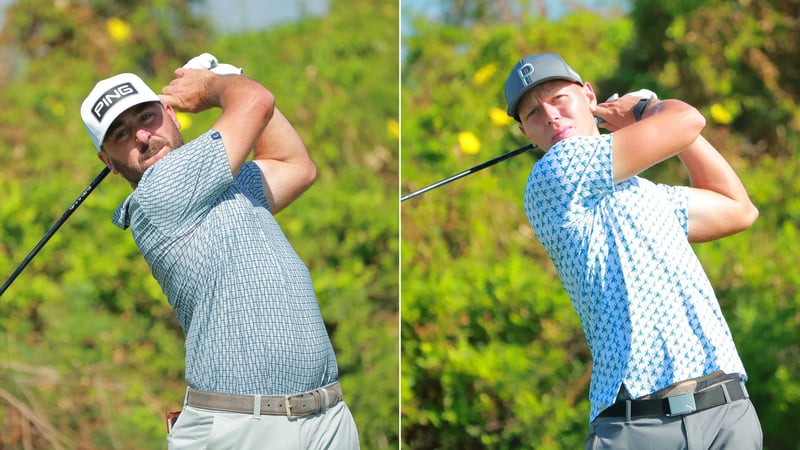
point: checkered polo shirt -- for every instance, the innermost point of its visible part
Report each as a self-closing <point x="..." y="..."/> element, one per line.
<point x="647" y="308"/>
<point x="240" y="292"/>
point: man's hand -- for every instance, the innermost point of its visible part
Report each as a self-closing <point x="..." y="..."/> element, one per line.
<point x="190" y="91"/>
<point x="617" y="113"/>
<point x="246" y="105"/>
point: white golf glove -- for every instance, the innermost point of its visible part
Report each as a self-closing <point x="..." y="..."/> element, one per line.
<point x="641" y="93"/>
<point x="644" y="93"/>
<point x="209" y="62"/>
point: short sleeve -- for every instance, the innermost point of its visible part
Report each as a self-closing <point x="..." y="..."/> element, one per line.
<point x="570" y="178"/>
<point x="678" y="197"/>
<point x="181" y="188"/>
<point x="251" y="181"/>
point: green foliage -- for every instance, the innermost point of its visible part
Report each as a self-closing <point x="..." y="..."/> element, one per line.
<point x="91" y="355"/>
<point x="493" y="355"/>
<point x="745" y="63"/>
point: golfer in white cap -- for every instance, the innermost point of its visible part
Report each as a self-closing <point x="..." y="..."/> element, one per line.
<point x="666" y="373"/>
<point x="260" y="367"/>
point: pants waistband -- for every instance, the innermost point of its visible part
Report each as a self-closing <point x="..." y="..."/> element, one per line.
<point x="296" y="405"/>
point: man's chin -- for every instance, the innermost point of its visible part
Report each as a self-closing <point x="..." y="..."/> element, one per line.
<point x="566" y="134"/>
<point x="155" y="157"/>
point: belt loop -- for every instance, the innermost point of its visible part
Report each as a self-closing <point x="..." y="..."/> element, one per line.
<point x="327" y="398"/>
<point x="744" y="389"/>
<point x="288" y="407"/>
<point x="257" y="407"/>
<point x="186" y="397"/>
<point x="627" y="411"/>
<point x="725" y="393"/>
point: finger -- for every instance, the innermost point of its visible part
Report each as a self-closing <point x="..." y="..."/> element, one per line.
<point x="170" y="100"/>
<point x="601" y="111"/>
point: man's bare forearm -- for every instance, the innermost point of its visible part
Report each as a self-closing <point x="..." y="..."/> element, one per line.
<point x="719" y="205"/>
<point x="709" y="170"/>
<point x="284" y="161"/>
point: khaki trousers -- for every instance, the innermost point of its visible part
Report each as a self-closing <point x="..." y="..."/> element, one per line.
<point x="204" y="429"/>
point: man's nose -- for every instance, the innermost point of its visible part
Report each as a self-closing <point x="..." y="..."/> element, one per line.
<point x="551" y="113"/>
<point x="143" y="135"/>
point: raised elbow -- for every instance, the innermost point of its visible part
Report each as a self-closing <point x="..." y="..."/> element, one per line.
<point x="266" y="104"/>
<point x="749" y="216"/>
<point x="698" y="121"/>
<point x="681" y="122"/>
<point x="692" y="123"/>
<point x="311" y="173"/>
<point x="744" y="219"/>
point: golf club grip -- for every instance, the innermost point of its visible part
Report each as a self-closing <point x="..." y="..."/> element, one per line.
<point x="55" y="228"/>
<point x="471" y="170"/>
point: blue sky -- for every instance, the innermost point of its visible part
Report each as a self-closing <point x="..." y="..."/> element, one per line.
<point x="556" y="8"/>
<point x="232" y="15"/>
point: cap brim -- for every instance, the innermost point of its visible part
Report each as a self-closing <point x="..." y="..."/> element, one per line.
<point x="513" y="108"/>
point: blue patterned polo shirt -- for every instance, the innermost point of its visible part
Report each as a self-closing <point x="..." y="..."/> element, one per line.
<point x="239" y="290"/>
<point x="647" y="308"/>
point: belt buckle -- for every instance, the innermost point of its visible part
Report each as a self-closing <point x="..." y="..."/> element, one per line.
<point x="680" y="405"/>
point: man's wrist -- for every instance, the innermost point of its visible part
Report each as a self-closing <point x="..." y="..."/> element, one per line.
<point x="645" y="96"/>
<point x="645" y="108"/>
<point x="638" y="110"/>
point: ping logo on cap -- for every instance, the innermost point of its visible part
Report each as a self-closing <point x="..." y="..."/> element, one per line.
<point x="110" y="97"/>
<point x="525" y="72"/>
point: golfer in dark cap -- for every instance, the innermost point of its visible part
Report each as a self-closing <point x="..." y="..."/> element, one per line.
<point x="666" y="373"/>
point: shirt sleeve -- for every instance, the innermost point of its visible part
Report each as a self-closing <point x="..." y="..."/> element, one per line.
<point x="181" y="188"/>
<point x="251" y="181"/>
<point x="572" y="177"/>
<point x="678" y="197"/>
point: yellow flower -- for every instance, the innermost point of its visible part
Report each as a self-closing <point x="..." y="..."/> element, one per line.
<point x="118" y="29"/>
<point x="483" y="74"/>
<point x="184" y="119"/>
<point x="469" y="143"/>
<point x="720" y="114"/>
<point x="393" y="127"/>
<point x="56" y="108"/>
<point x="499" y="117"/>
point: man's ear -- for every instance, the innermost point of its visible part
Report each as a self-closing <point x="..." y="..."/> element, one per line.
<point x="107" y="161"/>
<point x="172" y="116"/>
<point x="522" y="130"/>
<point x="590" y="95"/>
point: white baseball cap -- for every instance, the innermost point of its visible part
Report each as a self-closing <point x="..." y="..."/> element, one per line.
<point x="110" y="98"/>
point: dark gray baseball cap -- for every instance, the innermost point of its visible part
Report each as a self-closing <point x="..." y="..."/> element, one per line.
<point x="532" y="71"/>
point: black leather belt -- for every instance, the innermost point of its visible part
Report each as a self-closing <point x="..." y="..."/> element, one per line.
<point x="679" y="405"/>
<point x="297" y="405"/>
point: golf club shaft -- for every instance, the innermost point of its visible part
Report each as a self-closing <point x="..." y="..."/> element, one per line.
<point x="471" y="170"/>
<point x="55" y="228"/>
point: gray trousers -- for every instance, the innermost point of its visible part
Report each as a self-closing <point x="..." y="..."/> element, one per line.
<point x="734" y="425"/>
